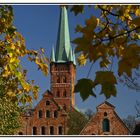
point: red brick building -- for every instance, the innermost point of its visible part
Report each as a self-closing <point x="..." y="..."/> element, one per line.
<point x="105" y="122"/>
<point x="49" y="117"/>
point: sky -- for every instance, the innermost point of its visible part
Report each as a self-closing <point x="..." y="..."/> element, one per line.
<point x="39" y="26"/>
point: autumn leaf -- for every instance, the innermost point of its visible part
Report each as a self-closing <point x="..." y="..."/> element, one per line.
<point x="82" y="60"/>
<point x="85" y="86"/>
<point x="107" y="80"/>
<point x="136" y="21"/>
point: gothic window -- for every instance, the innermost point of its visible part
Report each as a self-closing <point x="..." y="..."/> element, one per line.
<point x="20" y="133"/>
<point x="47" y="102"/>
<point x="40" y="114"/>
<point x="57" y="94"/>
<point x="105" y="114"/>
<point x="43" y="130"/>
<point x="64" y="79"/>
<point x="106" y="126"/>
<point x="34" y="130"/>
<point x="55" y="114"/>
<point x="51" y="130"/>
<point x="65" y="94"/>
<point x="64" y="107"/>
<point x="47" y="114"/>
<point x="60" y="131"/>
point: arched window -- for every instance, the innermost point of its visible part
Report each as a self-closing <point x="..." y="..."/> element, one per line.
<point x="60" y="131"/>
<point x="43" y="130"/>
<point x="34" y="130"/>
<point x="51" y="130"/>
<point x="57" y="94"/>
<point x="20" y="133"/>
<point x="47" y="102"/>
<point x="105" y="114"/>
<point x="55" y="114"/>
<point x="64" y="107"/>
<point x="58" y="79"/>
<point x="40" y="114"/>
<point x="47" y="114"/>
<point x="65" y="93"/>
<point x="106" y="127"/>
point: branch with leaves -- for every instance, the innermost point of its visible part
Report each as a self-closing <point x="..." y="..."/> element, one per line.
<point x="12" y="49"/>
<point x="114" y="35"/>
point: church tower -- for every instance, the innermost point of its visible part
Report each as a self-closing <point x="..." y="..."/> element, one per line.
<point x="62" y="66"/>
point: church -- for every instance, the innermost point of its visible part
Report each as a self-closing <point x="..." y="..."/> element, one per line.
<point x="50" y="115"/>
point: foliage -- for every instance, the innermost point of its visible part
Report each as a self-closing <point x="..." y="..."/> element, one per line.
<point x="12" y="49"/>
<point x="76" y="122"/>
<point x="112" y="40"/>
<point x="130" y="122"/>
<point x="9" y="114"/>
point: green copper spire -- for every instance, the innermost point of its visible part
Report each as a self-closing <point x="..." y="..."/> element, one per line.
<point x="63" y="39"/>
<point x="52" y="55"/>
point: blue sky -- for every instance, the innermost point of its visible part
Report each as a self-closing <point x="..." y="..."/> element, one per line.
<point x="39" y="25"/>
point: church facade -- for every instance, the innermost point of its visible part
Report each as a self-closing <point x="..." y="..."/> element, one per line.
<point x="105" y="122"/>
<point x="50" y="116"/>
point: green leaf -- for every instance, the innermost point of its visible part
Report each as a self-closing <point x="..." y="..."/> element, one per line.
<point x="85" y="86"/>
<point x="105" y="77"/>
<point x="136" y="21"/>
<point x="108" y="90"/>
<point x="130" y="60"/>
<point x="77" y="9"/>
<point x="107" y="80"/>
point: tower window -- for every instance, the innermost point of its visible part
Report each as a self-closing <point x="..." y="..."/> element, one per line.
<point x="51" y="130"/>
<point x="60" y="131"/>
<point x="40" y="114"/>
<point x="43" y="130"/>
<point x="58" y="94"/>
<point x="55" y="114"/>
<point x="34" y="130"/>
<point x="47" y="102"/>
<point x="106" y="127"/>
<point x="47" y="114"/>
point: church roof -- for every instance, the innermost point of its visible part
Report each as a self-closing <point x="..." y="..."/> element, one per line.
<point x="63" y="48"/>
<point x="107" y="103"/>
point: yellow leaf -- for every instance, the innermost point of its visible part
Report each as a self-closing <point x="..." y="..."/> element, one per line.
<point x="12" y="46"/>
<point x="27" y="87"/>
<point x="82" y="59"/>
<point x="137" y="12"/>
<point x="11" y="94"/>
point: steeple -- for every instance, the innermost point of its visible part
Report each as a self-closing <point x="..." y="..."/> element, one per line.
<point x="63" y="47"/>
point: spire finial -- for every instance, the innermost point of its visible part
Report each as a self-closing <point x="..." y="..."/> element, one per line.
<point x="52" y="55"/>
